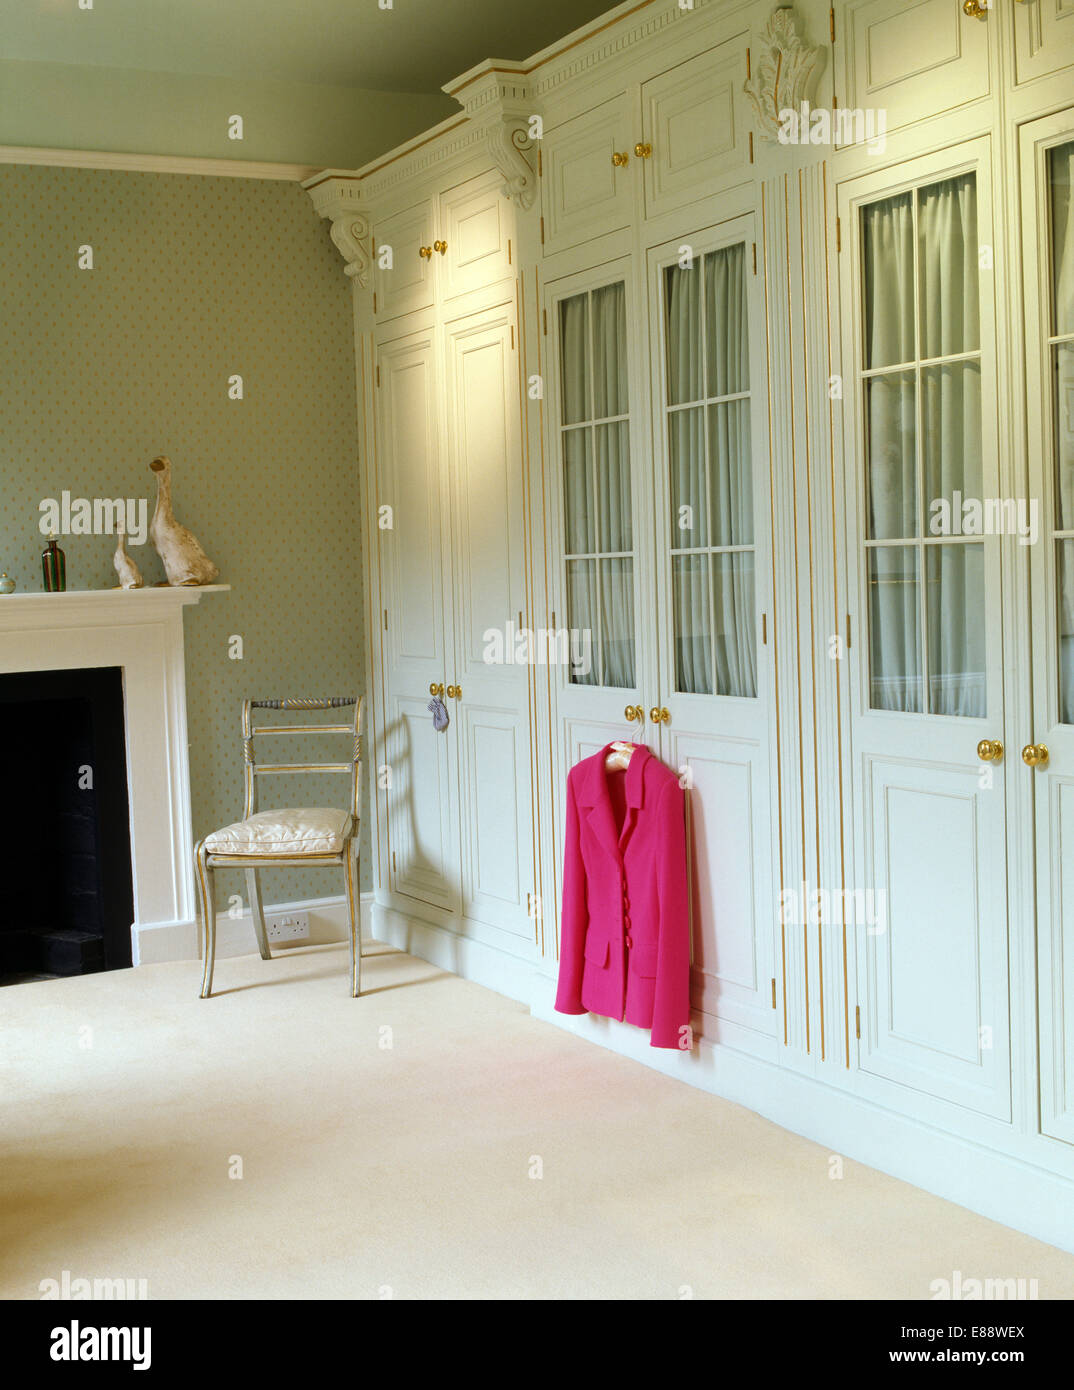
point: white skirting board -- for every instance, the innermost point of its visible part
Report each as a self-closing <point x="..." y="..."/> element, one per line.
<point x="993" y="1184"/>
<point x="171" y="941"/>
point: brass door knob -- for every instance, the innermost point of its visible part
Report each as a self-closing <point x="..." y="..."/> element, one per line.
<point x="440" y="246"/>
<point x="975" y="9"/>
<point x="1034" y="755"/>
<point x="634" y="714"/>
<point x="659" y="715"/>
<point x="990" y="750"/>
<point x="620" y="160"/>
<point x="454" y="692"/>
<point x="435" y="689"/>
<point x="643" y="150"/>
<point x="425" y="252"/>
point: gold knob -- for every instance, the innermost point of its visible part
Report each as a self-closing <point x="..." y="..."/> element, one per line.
<point x="620" y="160"/>
<point x="643" y="151"/>
<point x="435" y="689"/>
<point x="454" y="692"/>
<point x="1034" y="755"/>
<point x="990" y="750"/>
<point x="425" y="252"/>
<point x="440" y="246"/>
<point x="975" y="9"/>
<point x="634" y="714"/>
<point x="659" y="715"/>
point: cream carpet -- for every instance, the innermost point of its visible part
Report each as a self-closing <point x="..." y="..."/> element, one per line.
<point x="390" y="1146"/>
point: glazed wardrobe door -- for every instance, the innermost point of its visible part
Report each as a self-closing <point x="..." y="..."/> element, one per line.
<point x="706" y="326"/>
<point x="1047" y="755"/>
<point x="929" y="908"/>
<point x="602" y="649"/>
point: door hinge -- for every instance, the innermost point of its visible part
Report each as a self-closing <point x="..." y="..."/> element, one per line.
<point x="773" y="991"/>
<point x="512" y="337"/>
<point x="751" y="146"/>
<point x="849" y="643"/>
<point x="835" y="102"/>
<point x="857" y="1020"/>
<point x="385" y="620"/>
<point x="764" y="629"/>
<point x="747" y="64"/>
<point x="393" y="861"/>
<point x="542" y="231"/>
<point x="544" y="320"/>
<point x="838" y="235"/>
<point x="374" y="301"/>
<point x="831" y="23"/>
<point x="508" y="250"/>
<point x="755" y="258"/>
<point x="540" y="163"/>
<point x="378" y="373"/>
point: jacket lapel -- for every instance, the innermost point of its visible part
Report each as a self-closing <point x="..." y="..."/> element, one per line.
<point x="601" y="817"/>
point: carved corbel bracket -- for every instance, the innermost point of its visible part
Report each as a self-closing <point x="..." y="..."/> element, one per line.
<point x="338" y="197"/>
<point x="784" y="71"/>
<point x="496" y="97"/>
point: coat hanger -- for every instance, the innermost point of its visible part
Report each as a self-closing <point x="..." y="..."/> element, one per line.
<point x="619" y="757"/>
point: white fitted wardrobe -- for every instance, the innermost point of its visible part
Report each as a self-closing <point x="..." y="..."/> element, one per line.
<point x="677" y="431"/>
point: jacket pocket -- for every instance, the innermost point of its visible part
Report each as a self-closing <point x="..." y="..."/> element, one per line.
<point x="596" y="950"/>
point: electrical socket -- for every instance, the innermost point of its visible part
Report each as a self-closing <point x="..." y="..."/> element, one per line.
<point x="287" y="926"/>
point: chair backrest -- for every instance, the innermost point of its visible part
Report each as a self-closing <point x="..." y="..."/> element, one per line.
<point x="252" y="769"/>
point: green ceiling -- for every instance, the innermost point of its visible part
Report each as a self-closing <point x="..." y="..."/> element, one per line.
<point x="414" y="46"/>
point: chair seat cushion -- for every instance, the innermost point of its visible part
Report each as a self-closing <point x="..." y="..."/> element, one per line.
<point x="295" y="831"/>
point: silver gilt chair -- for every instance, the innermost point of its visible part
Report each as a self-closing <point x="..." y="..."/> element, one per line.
<point x="293" y="838"/>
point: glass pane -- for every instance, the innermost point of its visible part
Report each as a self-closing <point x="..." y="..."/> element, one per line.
<point x="1064" y="437"/>
<point x="613" y="485"/>
<point x="578" y="491"/>
<point x="689" y="505"/>
<point x="952" y="442"/>
<point x="582" y="610"/>
<point x="1065" y="580"/>
<point x="894" y="648"/>
<point x="888" y="270"/>
<point x="617" y="615"/>
<point x="947" y="267"/>
<point x="574" y="358"/>
<point x="1060" y="169"/>
<point x="956" y="621"/>
<point x="609" y="352"/>
<point x="683" y="291"/>
<point x="726" y="324"/>
<point x="693" y="623"/>
<point x="736" y="625"/>
<point x="730" y="474"/>
<point x="890" y="406"/>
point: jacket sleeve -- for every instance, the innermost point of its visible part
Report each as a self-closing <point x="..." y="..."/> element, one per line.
<point x="671" y="1004"/>
<point x="574" y="919"/>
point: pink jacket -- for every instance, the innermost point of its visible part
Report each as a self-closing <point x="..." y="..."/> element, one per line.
<point x="625" y="926"/>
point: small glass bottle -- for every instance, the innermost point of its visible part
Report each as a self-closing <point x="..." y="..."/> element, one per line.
<point x="54" y="567"/>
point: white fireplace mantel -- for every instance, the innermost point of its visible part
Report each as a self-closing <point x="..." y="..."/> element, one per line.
<point x="141" y="632"/>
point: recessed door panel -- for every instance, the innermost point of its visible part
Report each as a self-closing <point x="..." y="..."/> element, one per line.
<point x="1043" y="37"/>
<point x="584" y="192"/>
<point x="423" y="832"/>
<point x="475" y="224"/>
<point x="407" y="283"/>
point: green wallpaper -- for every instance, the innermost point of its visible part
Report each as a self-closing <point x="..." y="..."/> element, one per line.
<point x="195" y="279"/>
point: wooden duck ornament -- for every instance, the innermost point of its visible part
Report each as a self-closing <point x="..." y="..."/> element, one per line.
<point x="184" y="560"/>
<point x="130" y="576"/>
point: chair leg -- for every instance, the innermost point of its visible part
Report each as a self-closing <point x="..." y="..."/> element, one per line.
<point x="207" y="894"/>
<point x="257" y="909"/>
<point x="350" y="872"/>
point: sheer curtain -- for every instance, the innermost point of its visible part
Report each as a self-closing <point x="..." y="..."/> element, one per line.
<point x="596" y="480"/>
<point x="707" y="336"/>
<point x="942" y="461"/>
<point x="1061" y="169"/>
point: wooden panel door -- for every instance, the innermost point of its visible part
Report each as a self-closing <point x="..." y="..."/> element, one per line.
<point x="694" y="118"/>
<point x="911" y="60"/>
<point x="706" y="327"/>
<point x="1048" y="260"/>
<point x="475" y="222"/>
<point x="1043" y="37"/>
<point x="422" y="823"/>
<point x="929" y="901"/>
<point x="584" y="192"/>
<point x="407" y="284"/>
<point x="489" y="674"/>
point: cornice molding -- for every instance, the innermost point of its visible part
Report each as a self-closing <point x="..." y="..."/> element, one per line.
<point x="500" y="104"/>
<point x="153" y="163"/>
<point x="342" y="201"/>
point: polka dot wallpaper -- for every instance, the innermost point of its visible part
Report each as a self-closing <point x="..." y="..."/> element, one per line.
<point x="194" y="280"/>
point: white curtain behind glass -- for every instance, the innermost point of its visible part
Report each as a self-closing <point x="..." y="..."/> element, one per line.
<point x="1061" y="168"/>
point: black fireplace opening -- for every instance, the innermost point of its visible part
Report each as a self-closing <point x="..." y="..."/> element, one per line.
<point x="66" y="891"/>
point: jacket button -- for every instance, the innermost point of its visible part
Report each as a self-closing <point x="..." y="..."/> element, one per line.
<point x="629" y="940"/>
